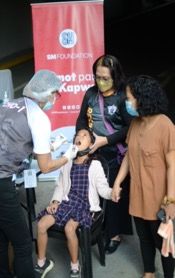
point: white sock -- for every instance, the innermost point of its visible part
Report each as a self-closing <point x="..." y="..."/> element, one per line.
<point x="75" y="265"/>
<point x="41" y="262"/>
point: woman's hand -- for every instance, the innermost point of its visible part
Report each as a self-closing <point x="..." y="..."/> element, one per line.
<point x="170" y="211"/>
<point x="100" y="141"/>
<point x="52" y="208"/>
<point x="116" y="191"/>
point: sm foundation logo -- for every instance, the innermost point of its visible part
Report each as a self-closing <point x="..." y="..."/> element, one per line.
<point x="68" y="38"/>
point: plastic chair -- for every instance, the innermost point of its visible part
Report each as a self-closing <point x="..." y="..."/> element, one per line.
<point x="6" y="84"/>
<point x="88" y="237"/>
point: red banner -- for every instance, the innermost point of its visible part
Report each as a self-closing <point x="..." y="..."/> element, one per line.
<point x="68" y="37"/>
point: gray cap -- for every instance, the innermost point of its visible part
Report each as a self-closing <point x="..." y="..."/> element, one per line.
<point x="42" y="84"/>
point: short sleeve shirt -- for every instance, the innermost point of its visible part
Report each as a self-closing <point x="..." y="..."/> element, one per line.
<point x="147" y="161"/>
<point x="40" y="127"/>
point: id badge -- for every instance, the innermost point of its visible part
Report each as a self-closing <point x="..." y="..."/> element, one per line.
<point x="30" y="179"/>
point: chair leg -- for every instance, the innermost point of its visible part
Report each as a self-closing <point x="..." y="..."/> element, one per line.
<point x="101" y="248"/>
<point x="85" y="246"/>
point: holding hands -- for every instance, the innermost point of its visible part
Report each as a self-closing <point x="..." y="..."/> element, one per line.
<point x="116" y="191"/>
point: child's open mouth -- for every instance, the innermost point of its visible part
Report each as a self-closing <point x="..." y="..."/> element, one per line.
<point x="78" y="143"/>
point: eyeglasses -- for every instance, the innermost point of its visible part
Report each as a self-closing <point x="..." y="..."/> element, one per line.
<point x="104" y="78"/>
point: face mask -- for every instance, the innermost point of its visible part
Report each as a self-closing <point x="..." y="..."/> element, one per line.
<point x="104" y="85"/>
<point x="48" y="106"/>
<point x="130" y="109"/>
<point x="84" y="152"/>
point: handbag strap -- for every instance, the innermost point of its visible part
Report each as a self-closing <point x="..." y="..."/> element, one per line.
<point x="106" y="123"/>
<point x="108" y="126"/>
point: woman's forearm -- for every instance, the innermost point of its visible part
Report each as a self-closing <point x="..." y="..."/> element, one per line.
<point x="124" y="169"/>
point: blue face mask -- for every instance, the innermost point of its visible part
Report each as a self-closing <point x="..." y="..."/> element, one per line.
<point x="48" y="106"/>
<point x="130" y="109"/>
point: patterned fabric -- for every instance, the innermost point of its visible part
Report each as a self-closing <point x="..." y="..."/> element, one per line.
<point x="77" y="208"/>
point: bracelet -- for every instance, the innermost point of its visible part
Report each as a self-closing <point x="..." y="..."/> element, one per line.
<point x="167" y="201"/>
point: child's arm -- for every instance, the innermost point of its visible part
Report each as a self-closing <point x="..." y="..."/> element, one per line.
<point x="62" y="184"/>
<point x="59" y="189"/>
<point x="101" y="182"/>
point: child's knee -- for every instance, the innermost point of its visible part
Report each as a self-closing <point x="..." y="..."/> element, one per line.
<point x="70" y="229"/>
<point x="42" y="227"/>
<point x="45" y="223"/>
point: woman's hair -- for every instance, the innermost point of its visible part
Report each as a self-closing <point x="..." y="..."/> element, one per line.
<point x="115" y="68"/>
<point x="151" y="99"/>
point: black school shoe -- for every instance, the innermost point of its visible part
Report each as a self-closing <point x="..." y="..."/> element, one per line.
<point x="40" y="272"/>
<point x="112" y="246"/>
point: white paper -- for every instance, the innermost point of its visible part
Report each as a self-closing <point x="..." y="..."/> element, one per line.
<point x="30" y="179"/>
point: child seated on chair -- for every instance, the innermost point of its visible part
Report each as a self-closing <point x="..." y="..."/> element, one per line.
<point x="76" y="195"/>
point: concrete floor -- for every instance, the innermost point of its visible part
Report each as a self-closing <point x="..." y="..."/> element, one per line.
<point x="125" y="262"/>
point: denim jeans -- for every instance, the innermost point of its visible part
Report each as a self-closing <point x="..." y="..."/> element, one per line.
<point x="13" y="228"/>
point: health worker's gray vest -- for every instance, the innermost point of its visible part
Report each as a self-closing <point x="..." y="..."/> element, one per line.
<point x="15" y="137"/>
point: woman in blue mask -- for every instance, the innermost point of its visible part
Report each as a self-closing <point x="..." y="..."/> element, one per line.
<point x="130" y="107"/>
<point x="150" y="160"/>
<point x="104" y="111"/>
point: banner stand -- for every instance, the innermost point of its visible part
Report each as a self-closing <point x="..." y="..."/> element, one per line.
<point x="68" y="37"/>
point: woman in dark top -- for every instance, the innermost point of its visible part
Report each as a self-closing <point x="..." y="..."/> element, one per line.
<point x="103" y="110"/>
